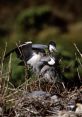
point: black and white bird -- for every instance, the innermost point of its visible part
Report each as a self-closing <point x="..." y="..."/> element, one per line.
<point x="44" y="61"/>
<point x="48" y="71"/>
<point x="32" y="53"/>
<point x="35" y="55"/>
<point x="45" y="69"/>
<point x="52" y="47"/>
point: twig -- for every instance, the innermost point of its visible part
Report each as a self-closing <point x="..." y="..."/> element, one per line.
<point x="8" y="77"/>
<point x="77" y="49"/>
<point x="3" y="59"/>
<point x="31" y="111"/>
<point x="78" y="74"/>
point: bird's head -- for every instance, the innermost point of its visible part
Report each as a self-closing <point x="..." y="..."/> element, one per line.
<point x="52" y="47"/>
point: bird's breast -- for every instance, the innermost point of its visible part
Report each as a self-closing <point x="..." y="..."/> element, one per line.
<point x="34" y="59"/>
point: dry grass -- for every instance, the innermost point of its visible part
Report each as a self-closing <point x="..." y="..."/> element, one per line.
<point x="21" y="102"/>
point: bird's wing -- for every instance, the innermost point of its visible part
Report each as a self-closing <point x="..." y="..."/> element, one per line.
<point x="26" y="45"/>
<point x="44" y="69"/>
<point x="11" y="51"/>
<point x="45" y="59"/>
<point x="39" y="46"/>
<point x="21" y="63"/>
<point x="16" y="50"/>
<point x="23" y="51"/>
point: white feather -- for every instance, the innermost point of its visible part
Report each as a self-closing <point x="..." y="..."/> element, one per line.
<point x="51" y="48"/>
<point x="26" y="43"/>
<point x="51" y="62"/>
<point x="34" y="59"/>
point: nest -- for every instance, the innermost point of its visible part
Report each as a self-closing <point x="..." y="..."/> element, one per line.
<point x="37" y="100"/>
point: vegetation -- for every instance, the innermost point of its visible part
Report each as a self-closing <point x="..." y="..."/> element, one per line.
<point x="15" y="88"/>
<point x="39" y="21"/>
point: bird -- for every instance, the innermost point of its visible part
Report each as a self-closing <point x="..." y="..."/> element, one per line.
<point x="45" y="69"/>
<point x="44" y="65"/>
<point x="27" y="53"/>
<point x="25" y="47"/>
<point x="45" y="60"/>
<point x="49" y="72"/>
<point x="31" y="53"/>
<point x="52" y="47"/>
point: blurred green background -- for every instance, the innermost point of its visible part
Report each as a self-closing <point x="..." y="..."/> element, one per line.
<point x="41" y="21"/>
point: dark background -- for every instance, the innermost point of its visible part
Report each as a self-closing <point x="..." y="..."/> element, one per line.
<point x="40" y="21"/>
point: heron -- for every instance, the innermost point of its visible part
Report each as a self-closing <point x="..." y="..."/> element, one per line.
<point x="35" y="55"/>
<point x="32" y="53"/>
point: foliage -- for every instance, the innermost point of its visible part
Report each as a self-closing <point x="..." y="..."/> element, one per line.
<point x="26" y="18"/>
